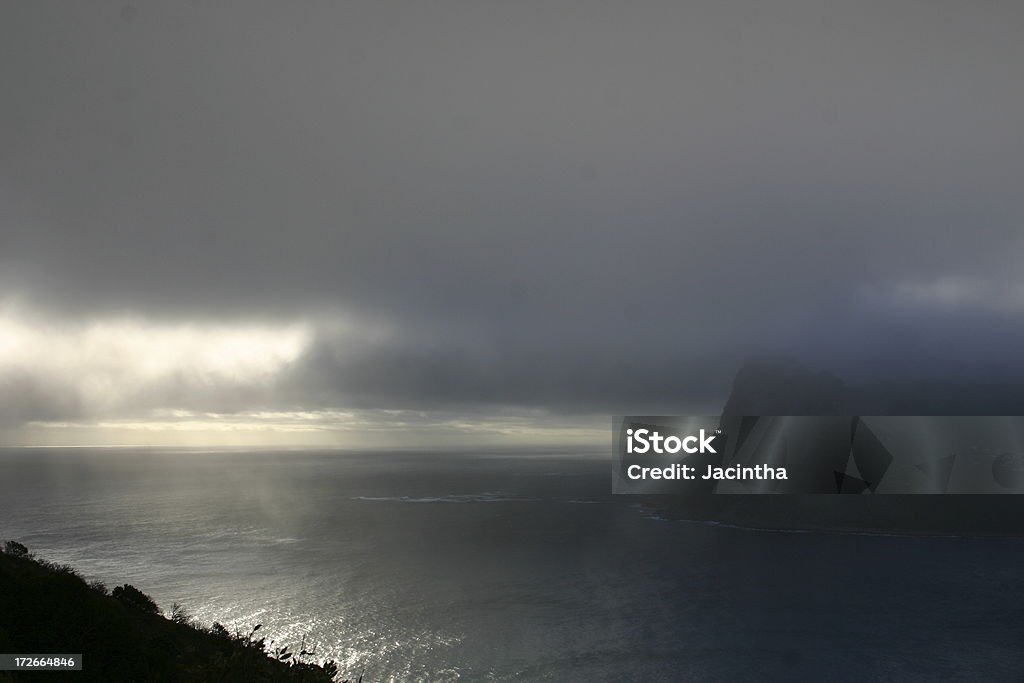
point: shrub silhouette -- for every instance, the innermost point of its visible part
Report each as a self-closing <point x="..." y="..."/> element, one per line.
<point x="15" y="548"/>
<point x="179" y="615"/>
<point x="133" y="597"/>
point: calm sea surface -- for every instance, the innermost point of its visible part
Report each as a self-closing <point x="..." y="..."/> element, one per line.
<point x="445" y="567"/>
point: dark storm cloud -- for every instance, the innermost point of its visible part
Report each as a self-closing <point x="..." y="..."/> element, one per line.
<point x="580" y="206"/>
<point x="456" y="376"/>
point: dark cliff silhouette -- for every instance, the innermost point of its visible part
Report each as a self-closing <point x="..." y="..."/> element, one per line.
<point x="785" y="387"/>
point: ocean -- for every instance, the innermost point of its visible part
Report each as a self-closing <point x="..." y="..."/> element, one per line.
<point x="424" y="566"/>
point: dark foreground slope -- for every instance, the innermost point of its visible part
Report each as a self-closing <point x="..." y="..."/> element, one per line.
<point x="49" y="609"/>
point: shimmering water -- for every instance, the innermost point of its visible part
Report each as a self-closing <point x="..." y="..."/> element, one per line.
<point x="429" y="566"/>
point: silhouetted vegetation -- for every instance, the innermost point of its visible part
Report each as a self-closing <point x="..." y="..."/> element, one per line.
<point x="49" y="608"/>
<point x="16" y="549"/>
<point x="133" y="597"/>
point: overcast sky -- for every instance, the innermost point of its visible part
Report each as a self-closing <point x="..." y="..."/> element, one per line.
<point x="313" y="221"/>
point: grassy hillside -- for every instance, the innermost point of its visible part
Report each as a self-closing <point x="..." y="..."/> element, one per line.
<point x="49" y="609"/>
